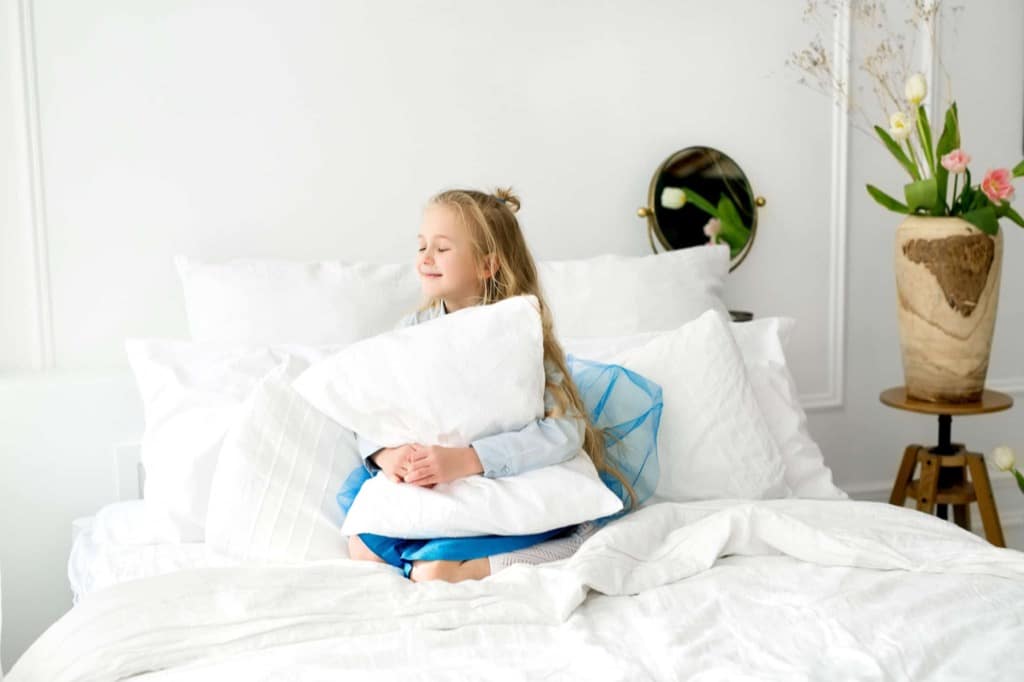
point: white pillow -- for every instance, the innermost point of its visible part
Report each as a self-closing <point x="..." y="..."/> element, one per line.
<point x="462" y="376"/>
<point x="267" y="301"/>
<point x="274" y="491"/>
<point x="761" y="343"/>
<point x="713" y="441"/>
<point x="615" y="295"/>
<point x="191" y="394"/>
<point x="531" y="502"/>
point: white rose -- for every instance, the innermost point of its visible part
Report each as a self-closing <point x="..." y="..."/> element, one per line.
<point x="899" y="126"/>
<point x="673" y="197"/>
<point x="1004" y="458"/>
<point x="915" y="89"/>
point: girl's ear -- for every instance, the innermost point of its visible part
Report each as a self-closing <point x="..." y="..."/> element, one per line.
<point x="490" y="266"/>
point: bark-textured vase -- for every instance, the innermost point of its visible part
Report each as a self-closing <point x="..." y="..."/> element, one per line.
<point x="947" y="279"/>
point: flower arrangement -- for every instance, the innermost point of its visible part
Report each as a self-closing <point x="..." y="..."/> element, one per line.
<point x="930" y="160"/>
<point x="930" y="165"/>
<point x="1005" y="461"/>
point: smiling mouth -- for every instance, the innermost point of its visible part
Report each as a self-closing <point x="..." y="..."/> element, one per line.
<point x="430" y="274"/>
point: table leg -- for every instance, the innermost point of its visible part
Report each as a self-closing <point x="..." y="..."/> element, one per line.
<point x="986" y="502"/>
<point x="904" y="476"/>
<point x="928" y="486"/>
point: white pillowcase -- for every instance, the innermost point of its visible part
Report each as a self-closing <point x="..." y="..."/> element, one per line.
<point x="615" y="295"/>
<point x="469" y="374"/>
<point x="761" y="343"/>
<point x="267" y="301"/>
<point x="274" y="491"/>
<point x="191" y="394"/>
<point x="531" y="502"/>
<point x="713" y="441"/>
<point x="462" y="376"/>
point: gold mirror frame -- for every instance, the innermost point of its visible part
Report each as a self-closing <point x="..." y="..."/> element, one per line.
<point x="653" y="229"/>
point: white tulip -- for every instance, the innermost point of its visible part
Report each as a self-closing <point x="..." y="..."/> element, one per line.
<point x="673" y="197"/>
<point x="899" y="126"/>
<point x="1004" y="458"/>
<point x="916" y="89"/>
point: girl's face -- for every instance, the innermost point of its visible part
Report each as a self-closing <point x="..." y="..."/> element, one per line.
<point x="445" y="261"/>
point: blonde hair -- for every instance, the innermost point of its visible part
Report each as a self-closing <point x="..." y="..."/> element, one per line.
<point x="494" y="231"/>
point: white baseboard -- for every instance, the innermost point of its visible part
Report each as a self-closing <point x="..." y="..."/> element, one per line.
<point x="1009" y="502"/>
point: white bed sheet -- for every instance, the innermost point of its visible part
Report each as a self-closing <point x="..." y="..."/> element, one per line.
<point x="778" y="589"/>
<point x="118" y="544"/>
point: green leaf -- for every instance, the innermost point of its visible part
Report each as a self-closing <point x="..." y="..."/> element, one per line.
<point x="1018" y="170"/>
<point x="948" y="141"/>
<point x="734" y="232"/>
<point x="950" y="137"/>
<point x="900" y="155"/>
<point x="886" y="200"/>
<point x="700" y="202"/>
<point x="984" y="219"/>
<point x="921" y="194"/>
<point x="1013" y="215"/>
<point x="727" y="212"/>
<point x="924" y="129"/>
<point x="966" y="194"/>
<point x="1020" y="480"/>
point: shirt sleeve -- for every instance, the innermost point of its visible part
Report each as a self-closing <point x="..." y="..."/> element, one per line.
<point x="542" y="442"/>
<point x="367" y="448"/>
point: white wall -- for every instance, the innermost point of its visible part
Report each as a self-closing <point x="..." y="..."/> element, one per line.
<point x="316" y="130"/>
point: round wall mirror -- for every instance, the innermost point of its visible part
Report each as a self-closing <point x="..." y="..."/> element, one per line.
<point x="699" y="195"/>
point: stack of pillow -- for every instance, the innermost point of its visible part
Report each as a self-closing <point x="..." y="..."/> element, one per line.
<point x="241" y="455"/>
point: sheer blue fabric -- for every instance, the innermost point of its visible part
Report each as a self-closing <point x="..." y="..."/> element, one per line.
<point x="627" y="406"/>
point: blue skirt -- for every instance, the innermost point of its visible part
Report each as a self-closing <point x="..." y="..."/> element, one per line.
<point x="401" y="553"/>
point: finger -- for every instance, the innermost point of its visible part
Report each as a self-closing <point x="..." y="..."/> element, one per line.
<point x="416" y="476"/>
<point x="420" y="474"/>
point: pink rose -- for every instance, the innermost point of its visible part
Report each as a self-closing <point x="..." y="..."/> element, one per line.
<point x="996" y="185"/>
<point x="956" y="161"/>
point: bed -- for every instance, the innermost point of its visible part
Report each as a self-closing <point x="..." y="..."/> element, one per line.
<point x="785" y="578"/>
<point x="779" y="589"/>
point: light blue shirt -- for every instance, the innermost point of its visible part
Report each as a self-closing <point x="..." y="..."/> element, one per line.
<point x="542" y="442"/>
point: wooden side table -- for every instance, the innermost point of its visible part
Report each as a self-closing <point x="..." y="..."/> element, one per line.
<point x="945" y="467"/>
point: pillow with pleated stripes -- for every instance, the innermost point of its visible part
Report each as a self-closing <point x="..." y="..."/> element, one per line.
<point x="279" y="470"/>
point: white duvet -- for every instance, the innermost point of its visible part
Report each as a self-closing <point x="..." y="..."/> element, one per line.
<point x="779" y="589"/>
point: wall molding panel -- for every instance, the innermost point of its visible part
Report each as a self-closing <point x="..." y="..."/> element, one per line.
<point x="28" y="93"/>
<point x="833" y="396"/>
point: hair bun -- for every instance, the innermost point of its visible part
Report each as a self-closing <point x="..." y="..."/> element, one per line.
<point x="505" y="196"/>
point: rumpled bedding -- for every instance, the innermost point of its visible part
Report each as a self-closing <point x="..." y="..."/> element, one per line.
<point x="718" y="590"/>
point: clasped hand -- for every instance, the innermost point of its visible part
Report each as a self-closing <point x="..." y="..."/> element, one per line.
<point x="427" y="465"/>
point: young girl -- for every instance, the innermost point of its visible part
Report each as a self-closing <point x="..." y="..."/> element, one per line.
<point x="472" y="252"/>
